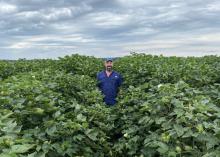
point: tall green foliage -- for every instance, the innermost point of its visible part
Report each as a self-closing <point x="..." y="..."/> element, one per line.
<point x="167" y="106"/>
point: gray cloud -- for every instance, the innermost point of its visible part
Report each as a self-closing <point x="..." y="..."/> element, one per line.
<point x="49" y="29"/>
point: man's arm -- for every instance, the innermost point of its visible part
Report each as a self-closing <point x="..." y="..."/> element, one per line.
<point x="120" y="80"/>
<point x="98" y="80"/>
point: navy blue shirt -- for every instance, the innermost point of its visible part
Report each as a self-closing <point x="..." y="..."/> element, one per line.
<point x="109" y="86"/>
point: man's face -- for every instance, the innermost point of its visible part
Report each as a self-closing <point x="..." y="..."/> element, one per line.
<point x="108" y="65"/>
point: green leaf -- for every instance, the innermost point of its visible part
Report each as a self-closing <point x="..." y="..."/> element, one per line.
<point x="172" y="154"/>
<point x="163" y="148"/>
<point x="21" y="148"/>
<point x="179" y="129"/>
<point x="188" y="133"/>
<point x="144" y="120"/>
<point x="50" y="131"/>
<point x="81" y="118"/>
<point x="92" y="134"/>
<point x="8" y="155"/>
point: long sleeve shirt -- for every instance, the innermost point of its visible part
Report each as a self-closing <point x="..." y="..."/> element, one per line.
<point x="109" y="85"/>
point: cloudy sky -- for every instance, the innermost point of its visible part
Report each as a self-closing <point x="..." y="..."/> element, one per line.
<point x="104" y="28"/>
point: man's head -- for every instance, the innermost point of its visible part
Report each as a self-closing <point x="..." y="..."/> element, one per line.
<point x="108" y="64"/>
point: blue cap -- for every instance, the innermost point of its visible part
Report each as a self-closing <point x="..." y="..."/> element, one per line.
<point x="108" y="59"/>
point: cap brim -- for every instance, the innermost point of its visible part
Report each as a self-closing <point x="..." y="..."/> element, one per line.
<point x="108" y="60"/>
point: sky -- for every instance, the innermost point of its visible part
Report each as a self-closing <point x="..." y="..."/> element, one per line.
<point x="108" y="28"/>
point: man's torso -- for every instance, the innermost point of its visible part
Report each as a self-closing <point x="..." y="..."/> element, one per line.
<point x="109" y="85"/>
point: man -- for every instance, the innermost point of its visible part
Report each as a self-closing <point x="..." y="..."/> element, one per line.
<point x="109" y="82"/>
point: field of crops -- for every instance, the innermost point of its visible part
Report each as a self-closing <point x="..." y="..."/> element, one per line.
<point x="167" y="106"/>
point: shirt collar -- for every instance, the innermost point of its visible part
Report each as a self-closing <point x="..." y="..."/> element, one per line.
<point x="110" y="74"/>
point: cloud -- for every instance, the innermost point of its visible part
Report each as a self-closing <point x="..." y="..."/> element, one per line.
<point x="6" y="8"/>
<point x="49" y="29"/>
<point x="108" y="19"/>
